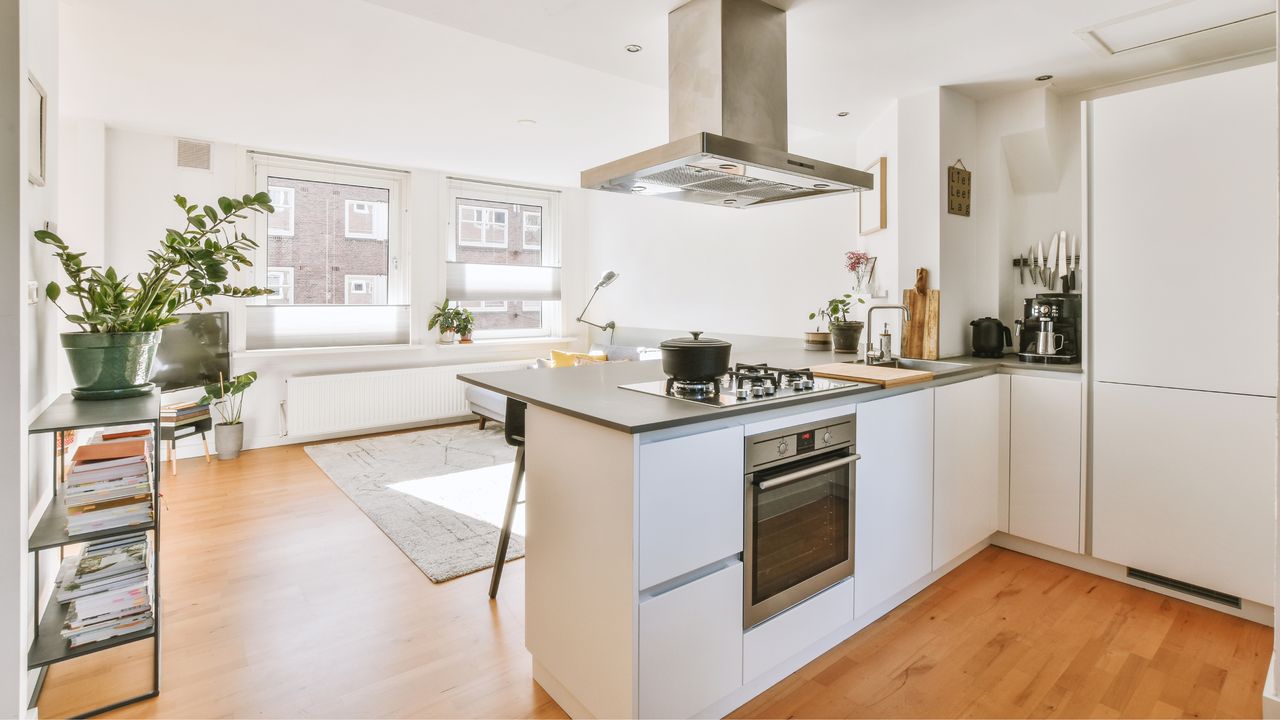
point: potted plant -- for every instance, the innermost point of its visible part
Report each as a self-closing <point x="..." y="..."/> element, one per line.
<point x="120" y="318"/>
<point x="465" y="323"/>
<point x="227" y="398"/>
<point x="844" y="333"/>
<point x="446" y="318"/>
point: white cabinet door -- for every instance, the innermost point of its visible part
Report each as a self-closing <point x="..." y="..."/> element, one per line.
<point x="1183" y="193"/>
<point x="691" y="645"/>
<point x="894" y="514"/>
<point x="1184" y="485"/>
<point x="966" y="466"/>
<point x="1044" y="460"/>
<point x="691" y="494"/>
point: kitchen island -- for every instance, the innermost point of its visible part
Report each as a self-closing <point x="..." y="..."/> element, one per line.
<point x="636" y="518"/>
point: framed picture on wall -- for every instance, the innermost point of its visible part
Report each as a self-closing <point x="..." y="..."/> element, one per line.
<point x="873" y="205"/>
<point x="38" y="121"/>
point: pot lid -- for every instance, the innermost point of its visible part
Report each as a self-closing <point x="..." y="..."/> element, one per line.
<point x="697" y="341"/>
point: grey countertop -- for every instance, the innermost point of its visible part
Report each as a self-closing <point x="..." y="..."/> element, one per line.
<point x="591" y="392"/>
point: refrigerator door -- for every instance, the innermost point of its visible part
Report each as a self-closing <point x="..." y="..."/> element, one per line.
<point x="1183" y="234"/>
<point x="1184" y="486"/>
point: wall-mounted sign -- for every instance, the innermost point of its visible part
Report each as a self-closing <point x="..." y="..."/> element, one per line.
<point x="959" y="189"/>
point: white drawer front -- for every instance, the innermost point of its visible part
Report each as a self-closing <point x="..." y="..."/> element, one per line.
<point x="775" y="640"/>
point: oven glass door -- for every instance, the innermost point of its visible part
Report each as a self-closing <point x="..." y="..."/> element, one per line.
<point x="800" y="521"/>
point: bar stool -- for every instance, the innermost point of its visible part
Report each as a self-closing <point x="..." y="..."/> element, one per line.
<point x="514" y="431"/>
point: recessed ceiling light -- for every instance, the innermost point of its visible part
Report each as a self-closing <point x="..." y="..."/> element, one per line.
<point x="728" y="166"/>
<point x="843" y="113"/>
<point x="730" y="201"/>
<point x="820" y="186"/>
<point x="638" y="188"/>
<point x="633" y="48"/>
<point x="1042" y="78"/>
<point x="526" y="122"/>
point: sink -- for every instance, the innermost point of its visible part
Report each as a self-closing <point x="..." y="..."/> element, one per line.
<point x="934" y="366"/>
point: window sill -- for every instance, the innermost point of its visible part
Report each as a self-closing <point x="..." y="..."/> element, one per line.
<point x="499" y="343"/>
<point x="479" y="346"/>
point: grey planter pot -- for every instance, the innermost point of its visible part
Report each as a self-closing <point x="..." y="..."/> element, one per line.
<point x="228" y="440"/>
<point x="107" y="366"/>
<point x="845" y="336"/>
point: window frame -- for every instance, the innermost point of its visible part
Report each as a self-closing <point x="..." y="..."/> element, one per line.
<point x="485" y="225"/>
<point x="349" y="207"/>
<point x="265" y="165"/>
<point x="549" y="200"/>
<point x="293" y="213"/>
<point x="524" y="231"/>
<point x="285" y="270"/>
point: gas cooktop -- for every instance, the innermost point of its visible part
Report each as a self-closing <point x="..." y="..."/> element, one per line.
<point x="744" y="384"/>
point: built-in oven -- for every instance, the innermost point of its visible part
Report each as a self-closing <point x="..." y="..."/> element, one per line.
<point x="799" y="515"/>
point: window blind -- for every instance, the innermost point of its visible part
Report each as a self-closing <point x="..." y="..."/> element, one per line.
<point x="277" y="327"/>
<point x="478" y="281"/>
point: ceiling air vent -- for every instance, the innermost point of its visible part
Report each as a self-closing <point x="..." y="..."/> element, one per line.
<point x="1180" y="20"/>
<point x="195" y="154"/>
<point x="1203" y="593"/>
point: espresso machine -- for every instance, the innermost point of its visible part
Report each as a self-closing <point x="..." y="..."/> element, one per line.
<point x="1049" y="331"/>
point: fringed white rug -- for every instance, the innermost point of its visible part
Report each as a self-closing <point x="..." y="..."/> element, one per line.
<point x="439" y="494"/>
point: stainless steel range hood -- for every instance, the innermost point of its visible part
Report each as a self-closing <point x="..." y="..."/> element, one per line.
<point x="727" y="71"/>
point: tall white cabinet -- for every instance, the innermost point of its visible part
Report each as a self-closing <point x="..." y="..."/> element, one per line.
<point x="1183" y="268"/>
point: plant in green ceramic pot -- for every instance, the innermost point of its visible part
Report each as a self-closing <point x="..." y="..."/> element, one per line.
<point x="120" y="317"/>
<point x="226" y="397"/>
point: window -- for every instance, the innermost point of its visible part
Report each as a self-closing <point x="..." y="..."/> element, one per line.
<point x="336" y="243"/>
<point x="366" y="220"/>
<point x="482" y="225"/>
<point x="532" y="231"/>
<point x="280" y="283"/>
<point x="281" y="221"/>
<point x="512" y="288"/>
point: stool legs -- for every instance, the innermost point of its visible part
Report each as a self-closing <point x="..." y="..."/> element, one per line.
<point x="504" y="537"/>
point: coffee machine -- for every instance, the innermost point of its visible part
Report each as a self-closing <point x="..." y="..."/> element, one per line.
<point x="1049" y="331"/>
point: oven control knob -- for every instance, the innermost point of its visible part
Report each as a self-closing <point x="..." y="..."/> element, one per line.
<point x="782" y="447"/>
<point x="826" y="438"/>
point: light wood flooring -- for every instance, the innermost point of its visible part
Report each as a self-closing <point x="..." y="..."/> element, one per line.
<point x="281" y="599"/>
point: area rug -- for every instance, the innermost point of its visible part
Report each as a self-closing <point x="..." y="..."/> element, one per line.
<point x="439" y="494"/>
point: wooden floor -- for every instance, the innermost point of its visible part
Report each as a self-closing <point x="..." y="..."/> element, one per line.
<point x="281" y="599"/>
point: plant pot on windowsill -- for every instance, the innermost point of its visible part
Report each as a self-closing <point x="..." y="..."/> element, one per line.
<point x="448" y="337"/>
<point x="107" y="366"/>
<point x="465" y="338"/>
<point x="845" y="335"/>
<point x="228" y="440"/>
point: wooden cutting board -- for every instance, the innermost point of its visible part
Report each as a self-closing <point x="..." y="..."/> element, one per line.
<point x="920" y="333"/>
<point x="883" y="376"/>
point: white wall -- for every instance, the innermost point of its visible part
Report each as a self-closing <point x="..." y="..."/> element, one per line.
<point x="141" y="178"/>
<point x="967" y="257"/>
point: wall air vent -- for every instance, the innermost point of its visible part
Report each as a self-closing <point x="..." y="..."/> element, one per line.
<point x="1187" y="588"/>
<point x="1177" y="20"/>
<point x="195" y="154"/>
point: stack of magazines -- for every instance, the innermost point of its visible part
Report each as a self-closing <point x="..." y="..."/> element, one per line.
<point x="183" y="413"/>
<point x="108" y="484"/>
<point x="108" y="588"/>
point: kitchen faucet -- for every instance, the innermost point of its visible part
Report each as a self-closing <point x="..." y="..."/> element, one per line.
<point x="886" y="344"/>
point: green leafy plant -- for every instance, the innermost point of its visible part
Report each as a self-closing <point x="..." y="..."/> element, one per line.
<point x="464" y="322"/>
<point x="836" y="309"/>
<point x="190" y="268"/>
<point x="445" y="317"/>
<point x="227" y="397"/>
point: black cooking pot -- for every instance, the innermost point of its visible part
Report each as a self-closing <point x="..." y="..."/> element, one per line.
<point x="695" y="358"/>
<point x="990" y="337"/>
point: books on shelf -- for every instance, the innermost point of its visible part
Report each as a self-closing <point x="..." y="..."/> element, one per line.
<point x="183" y="413"/>
<point x="107" y="589"/>
<point x="108" y="484"/>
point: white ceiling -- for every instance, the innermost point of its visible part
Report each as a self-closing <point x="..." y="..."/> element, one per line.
<point x="441" y="83"/>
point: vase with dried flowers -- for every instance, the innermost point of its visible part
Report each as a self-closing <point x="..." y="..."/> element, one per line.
<point x="863" y="267"/>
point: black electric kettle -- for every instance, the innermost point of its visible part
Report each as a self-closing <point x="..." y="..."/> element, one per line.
<point x="990" y="337"/>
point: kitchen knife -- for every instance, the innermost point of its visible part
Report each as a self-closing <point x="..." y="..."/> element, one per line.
<point x="1022" y="270"/>
<point x="1044" y="278"/>
<point x="1031" y="263"/>
<point x="1050" y="272"/>
<point x="1062" y="262"/>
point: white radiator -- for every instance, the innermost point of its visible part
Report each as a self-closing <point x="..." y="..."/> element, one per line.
<point x="325" y="404"/>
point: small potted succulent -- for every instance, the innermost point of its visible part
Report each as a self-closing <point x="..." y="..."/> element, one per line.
<point x="843" y="333"/>
<point x="445" y="317"/>
<point x="227" y="399"/>
<point x="464" y="323"/>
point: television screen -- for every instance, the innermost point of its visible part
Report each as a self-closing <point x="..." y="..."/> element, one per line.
<point x="192" y="352"/>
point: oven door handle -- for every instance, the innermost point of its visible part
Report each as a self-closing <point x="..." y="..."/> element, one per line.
<point x="808" y="472"/>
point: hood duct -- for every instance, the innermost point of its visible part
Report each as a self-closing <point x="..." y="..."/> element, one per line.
<point x="727" y="76"/>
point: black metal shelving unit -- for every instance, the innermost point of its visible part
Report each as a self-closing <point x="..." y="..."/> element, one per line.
<point x="66" y="414"/>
